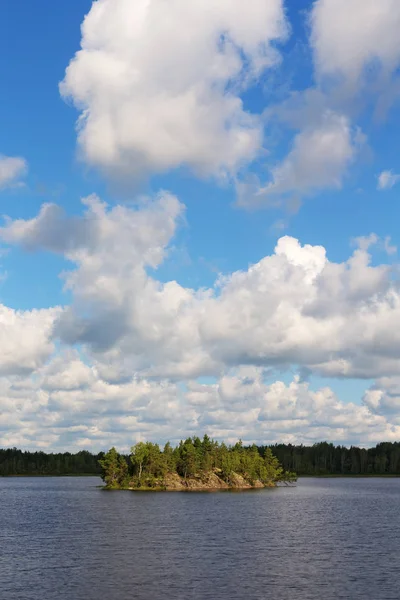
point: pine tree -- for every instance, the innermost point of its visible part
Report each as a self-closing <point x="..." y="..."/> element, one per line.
<point x="114" y="469"/>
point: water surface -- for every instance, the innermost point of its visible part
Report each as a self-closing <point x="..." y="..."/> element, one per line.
<point x="65" y="539"/>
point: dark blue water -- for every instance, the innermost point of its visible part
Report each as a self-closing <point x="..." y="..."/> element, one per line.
<point x="326" y="539"/>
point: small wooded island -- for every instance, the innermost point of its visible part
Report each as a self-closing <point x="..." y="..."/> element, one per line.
<point x="195" y="464"/>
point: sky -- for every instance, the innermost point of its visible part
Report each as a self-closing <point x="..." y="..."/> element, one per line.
<point x="199" y="208"/>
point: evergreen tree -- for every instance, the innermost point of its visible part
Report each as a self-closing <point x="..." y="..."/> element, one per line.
<point x="114" y="469"/>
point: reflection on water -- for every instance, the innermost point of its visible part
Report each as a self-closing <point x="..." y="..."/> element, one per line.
<point x="66" y="539"/>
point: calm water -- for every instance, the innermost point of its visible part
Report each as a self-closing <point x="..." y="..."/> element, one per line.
<point x="66" y="539"/>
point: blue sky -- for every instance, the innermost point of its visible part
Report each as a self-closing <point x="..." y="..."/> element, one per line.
<point x="38" y="125"/>
<point x="211" y="127"/>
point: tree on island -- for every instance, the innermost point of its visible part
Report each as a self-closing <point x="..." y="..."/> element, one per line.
<point x="193" y="459"/>
<point x="114" y="469"/>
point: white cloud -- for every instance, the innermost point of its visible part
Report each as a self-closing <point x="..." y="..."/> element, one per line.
<point x="65" y="404"/>
<point x="158" y="91"/>
<point x="143" y="343"/>
<point x="356" y="50"/>
<point x="121" y="312"/>
<point x="387" y="179"/>
<point x="388" y="246"/>
<point x="158" y="83"/>
<point x="83" y="411"/>
<point x="242" y="401"/>
<point x="12" y="168"/>
<point x="384" y="398"/>
<point x="135" y="235"/>
<point x="351" y="36"/>
<point x="294" y="307"/>
<point x="25" y="339"/>
<point x="319" y="158"/>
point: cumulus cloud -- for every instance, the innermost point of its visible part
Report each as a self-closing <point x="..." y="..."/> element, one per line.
<point x="387" y="179"/>
<point x="383" y="398"/>
<point x="137" y="235"/>
<point x="243" y="401"/>
<point x="119" y="310"/>
<point x="160" y="87"/>
<point x="67" y="405"/>
<point x="319" y="158"/>
<point x="25" y="339"/>
<point x="143" y="343"/>
<point x="355" y="49"/>
<point x="294" y="307"/>
<point x="12" y="169"/>
<point x="350" y="36"/>
<point x="157" y="84"/>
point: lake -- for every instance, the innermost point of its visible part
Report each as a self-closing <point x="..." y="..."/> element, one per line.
<point x="66" y="539"/>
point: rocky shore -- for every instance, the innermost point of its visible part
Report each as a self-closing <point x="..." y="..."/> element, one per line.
<point x="204" y="481"/>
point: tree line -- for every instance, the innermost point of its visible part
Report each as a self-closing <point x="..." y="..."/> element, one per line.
<point x="148" y="465"/>
<point x="320" y="459"/>
<point x="17" y="462"/>
<point x="326" y="459"/>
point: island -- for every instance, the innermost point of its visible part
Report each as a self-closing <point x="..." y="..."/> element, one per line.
<point x="193" y="465"/>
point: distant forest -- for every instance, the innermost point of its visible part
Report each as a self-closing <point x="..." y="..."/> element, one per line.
<point x="319" y="459"/>
<point x="17" y="462"/>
